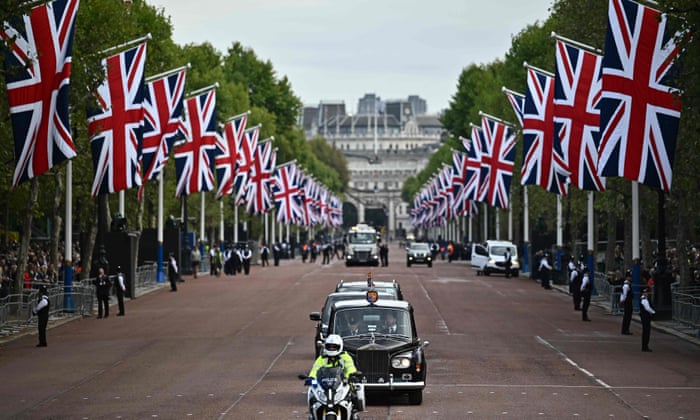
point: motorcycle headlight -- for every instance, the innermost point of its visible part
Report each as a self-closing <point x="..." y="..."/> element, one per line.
<point x="320" y="395"/>
<point x="401" y="361"/>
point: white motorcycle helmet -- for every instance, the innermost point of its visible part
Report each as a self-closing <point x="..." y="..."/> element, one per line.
<point x="333" y="345"/>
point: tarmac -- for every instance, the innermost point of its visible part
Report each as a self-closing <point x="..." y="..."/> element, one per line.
<point x="674" y="328"/>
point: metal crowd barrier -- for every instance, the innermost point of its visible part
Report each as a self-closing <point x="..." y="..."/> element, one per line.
<point x="685" y="305"/>
<point x="146" y="275"/>
<point x="608" y="290"/>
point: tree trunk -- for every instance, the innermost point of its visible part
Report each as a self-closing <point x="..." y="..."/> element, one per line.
<point x="27" y="233"/>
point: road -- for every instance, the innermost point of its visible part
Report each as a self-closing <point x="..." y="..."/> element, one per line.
<point x="232" y="347"/>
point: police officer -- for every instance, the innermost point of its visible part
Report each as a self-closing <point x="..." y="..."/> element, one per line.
<point x="575" y="284"/>
<point x="102" y="288"/>
<point x="42" y="311"/>
<point x="585" y="294"/>
<point x="173" y="272"/>
<point x="545" y="269"/>
<point x="507" y="260"/>
<point x="334" y="356"/>
<point x="645" y="313"/>
<point x="246" y="255"/>
<point x="626" y="302"/>
<point x="120" y="288"/>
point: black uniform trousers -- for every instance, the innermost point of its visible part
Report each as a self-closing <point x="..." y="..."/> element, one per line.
<point x="627" y="315"/>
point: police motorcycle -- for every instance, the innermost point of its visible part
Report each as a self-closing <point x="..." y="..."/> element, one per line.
<point x="330" y="395"/>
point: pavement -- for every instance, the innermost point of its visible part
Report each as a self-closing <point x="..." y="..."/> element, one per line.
<point x="670" y="326"/>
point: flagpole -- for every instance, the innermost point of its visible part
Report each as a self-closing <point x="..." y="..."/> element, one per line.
<point x="560" y="231"/>
<point x="545" y="72"/>
<point x="591" y="241"/>
<point x="577" y="44"/>
<point x="221" y="224"/>
<point x="201" y="225"/>
<point x="235" y="117"/>
<point x="500" y="120"/>
<point x="160" y="278"/>
<point x="512" y="92"/>
<point x="168" y="73"/>
<point x="202" y="90"/>
<point x="126" y="44"/>
<point x="121" y="204"/>
<point x="68" y="303"/>
<point x="636" y="268"/>
<point x="235" y="223"/>
<point x="526" y="231"/>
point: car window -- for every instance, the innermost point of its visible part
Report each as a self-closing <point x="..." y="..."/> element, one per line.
<point x="371" y="320"/>
<point x="420" y="247"/>
<point x="480" y="250"/>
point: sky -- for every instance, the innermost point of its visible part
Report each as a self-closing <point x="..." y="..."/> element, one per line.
<point x="334" y="50"/>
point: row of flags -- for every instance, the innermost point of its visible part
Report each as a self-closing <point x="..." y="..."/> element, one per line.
<point x="613" y="114"/>
<point x="139" y="122"/>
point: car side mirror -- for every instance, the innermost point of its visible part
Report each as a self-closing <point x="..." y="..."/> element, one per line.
<point x="315" y="316"/>
<point x="425" y="344"/>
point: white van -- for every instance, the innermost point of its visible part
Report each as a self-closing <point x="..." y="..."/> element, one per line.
<point x="489" y="258"/>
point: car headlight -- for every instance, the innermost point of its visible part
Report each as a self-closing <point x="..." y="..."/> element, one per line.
<point x="491" y="261"/>
<point x="429" y="258"/>
<point x="401" y="361"/>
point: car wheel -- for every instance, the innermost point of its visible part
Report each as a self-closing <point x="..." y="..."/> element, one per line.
<point x="487" y="272"/>
<point x="515" y="273"/>
<point x="430" y="265"/>
<point x="415" y="397"/>
<point x="408" y="263"/>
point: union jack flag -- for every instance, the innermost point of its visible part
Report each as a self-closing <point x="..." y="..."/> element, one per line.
<point x="115" y="128"/>
<point x="245" y="156"/>
<point x="517" y="101"/>
<point x="163" y="123"/>
<point x="227" y="156"/>
<point x="497" y="158"/>
<point x="472" y="184"/>
<point x="285" y="189"/>
<point x="459" y="175"/>
<point x="194" y="159"/>
<point x="544" y="163"/>
<point x="258" y="199"/>
<point x="576" y="114"/>
<point x="308" y="191"/>
<point x="446" y="191"/>
<point x="639" y="114"/>
<point x="38" y="75"/>
<point x="335" y="211"/>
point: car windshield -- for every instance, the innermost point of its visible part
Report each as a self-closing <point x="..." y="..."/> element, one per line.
<point x="367" y="320"/>
<point x="420" y="247"/>
<point x="361" y="238"/>
<point x="500" y="250"/>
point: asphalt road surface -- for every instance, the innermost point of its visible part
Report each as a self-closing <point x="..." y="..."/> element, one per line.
<point x="232" y="347"/>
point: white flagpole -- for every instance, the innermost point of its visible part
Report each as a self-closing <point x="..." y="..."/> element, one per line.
<point x="636" y="268"/>
<point x="510" y="222"/>
<point x="486" y="222"/>
<point x="159" y="229"/>
<point x="68" y="303"/>
<point x="590" y="262"/>
<point x="235" y="224"/>
<point x="121" y="203"/>
<point x="560" y="231"/>
<point x="126" y="44"/>
<point x="498" y="224"/>
<point x="526" y="230"/>
<point x="221" y="223"/>
<point x="274" y="230"/>
<point x="201" y="225"/>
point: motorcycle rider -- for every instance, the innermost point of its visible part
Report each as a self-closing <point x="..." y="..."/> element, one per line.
<point x="334" y="356"/>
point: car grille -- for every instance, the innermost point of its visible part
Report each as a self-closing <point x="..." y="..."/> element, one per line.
<point x="500" y="264"/>
<point x="374" y="365"/>
<point x="362" y="255"/>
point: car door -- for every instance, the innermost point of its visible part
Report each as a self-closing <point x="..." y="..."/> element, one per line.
<point x="480" y="256"/>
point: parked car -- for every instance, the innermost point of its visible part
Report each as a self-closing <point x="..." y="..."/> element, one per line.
<point x="489" y="258"/>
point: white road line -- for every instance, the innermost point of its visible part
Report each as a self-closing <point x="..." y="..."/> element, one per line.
<point x="260" y="379"/>
<point x="442" y="325"/>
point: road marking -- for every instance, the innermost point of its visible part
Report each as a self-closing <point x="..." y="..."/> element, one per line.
<point x="442" y="325"/>
<point x="260" y="379"/>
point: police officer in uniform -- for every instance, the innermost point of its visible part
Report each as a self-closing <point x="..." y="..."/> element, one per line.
<point x="120" y="288"/>
<point x="246" y="256"/>
<point x="544" y="270"/>
<point x="626" y="302"/>
<point x="173" y="272"/>
<point x="42" y="311"/>
<point x="585" y="294"/>
<point x="645" y="313"/>
<point x="103" y="286"/>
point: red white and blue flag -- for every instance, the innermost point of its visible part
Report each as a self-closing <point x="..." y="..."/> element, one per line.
<point x="258" y="200"/>
<point x="459" y="175"/>
<point x="576" y="114"/>
<point x="115" y="127"/>
<point x="472" y="182"/>
<point x="38" y="68"/>
<point x="544" y="162"/>
<point x="227" y="156"/>
<point x="164" y="124"/>
<point x="335" y="211"/>
<point x="497" y="161"/>
<point x="286" y="193"/>
<point x="194" y="159"/>
<point x="639" y="113"/>
<point x="245" y="156"/>
<point x="517" y="101"/>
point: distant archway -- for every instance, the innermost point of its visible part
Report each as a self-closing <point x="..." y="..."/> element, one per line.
<point x="349" y="214"/>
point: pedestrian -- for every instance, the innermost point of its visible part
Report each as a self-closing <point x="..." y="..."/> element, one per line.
<point x="585" y="293"/>
<point x="264" y="255"/>
<point x="41" y="310"/>
<point x="645" y="313"/>
<point x="120" y="288"/>
<point x="326" y="250"/>
<point x="545" y="268"/>
<point x="384" y="254"/>
<point x="246" y="255"/>
<point x="507" y="261"/>
<point x="304" y="252"/>
<point x="172" y="272"/>
<point x="626" y="299"/>
<point x="212" y="261"/>
<point x="102" y="288"/>
<point x="196" y="260"/>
